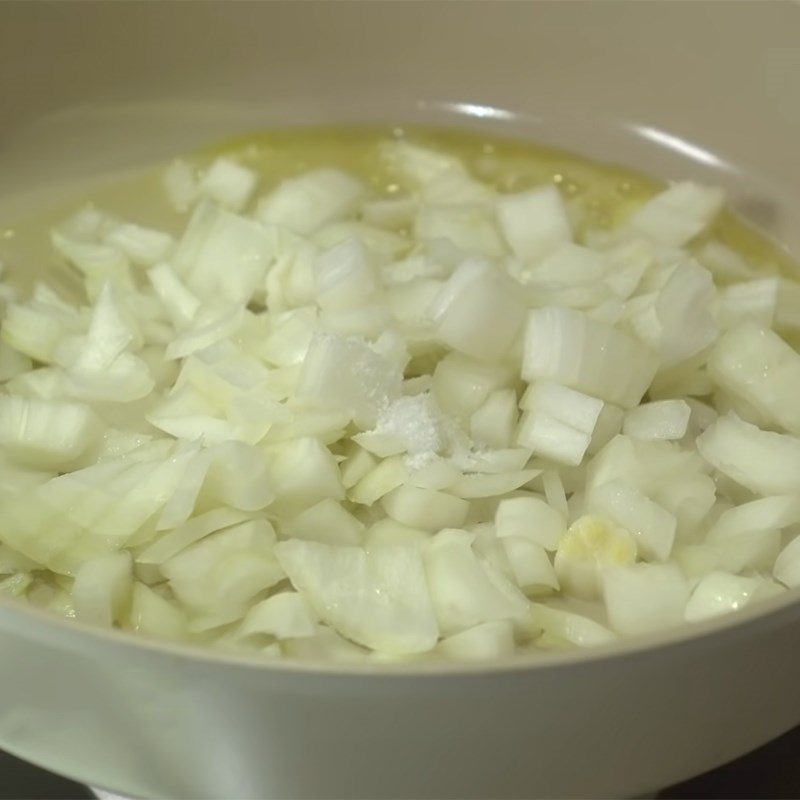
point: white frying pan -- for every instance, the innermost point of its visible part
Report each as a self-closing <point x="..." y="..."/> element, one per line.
<point x="703" y="89"/>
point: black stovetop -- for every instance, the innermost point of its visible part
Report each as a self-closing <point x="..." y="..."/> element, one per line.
<point x="770" y="772"/>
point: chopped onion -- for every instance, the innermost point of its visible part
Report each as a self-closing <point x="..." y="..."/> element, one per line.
<point x="466" y="592"/>
<point x="340" y="582"/>
<point x="284" y="616"/>
<point x="678" y="214"/>
<point x="787" y="564"/>
<point x="645" y="597"/>
<point x="477" y="312"/>
<point x="534" y="223"/>
<point x="758" y="366"/>
<point x="765" y="462"/>
<point x="530" y="518"/>
<point x="568" y="347"/>
<point x="489" y="640"/>
<point x="590" y="546"/>
<point x="101" y="588"/>
<point x="664" y="419"/>
<point x="720" y="593"/>
<point x="228" y="183"/>
<point x="306" y="203"/>
<point x="375" y="424"/>
<point x="325" y="522"/>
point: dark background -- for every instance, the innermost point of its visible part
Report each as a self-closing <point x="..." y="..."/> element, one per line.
<point x="773" y="771"/>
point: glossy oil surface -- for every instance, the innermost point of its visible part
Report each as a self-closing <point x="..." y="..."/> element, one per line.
<point x="601" y="194"/>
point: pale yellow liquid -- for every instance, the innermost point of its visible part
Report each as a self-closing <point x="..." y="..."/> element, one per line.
<point x="602" y="195"/>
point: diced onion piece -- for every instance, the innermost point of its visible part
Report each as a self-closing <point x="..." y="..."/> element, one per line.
<point x="326" y="522"/>
<point x="534" y="223"/>
<point x="347" y="374"/>
<point x="193" y="530"/>
<point x="477" y="311"/>
<point x="494" y="422"/>
<point x="228" y="183"/>
<point x="721" y="593"/>
<point x="455" y="187"/>
<point x="568" y="265"/>
<point x="307" y="202"/>
<point x="461" y="385"/>
<point x="344" y="277"/>
<point x="573" y="408"/>
<point x="222" y="573"/>
<point x="45" y="433"/>
<point x="558" y="421"/>
<point x="143" y="246"/>
<point x="554" y="492"/>
<point x="568" y="347"/>
<point x="238" y="476"/>
<point x="356" y="465"/>
<point x="223" y="257"/>
<point x="382" y="245"/>
<point x="466" y="592"/>
<point x="787" y="564"/>
<point x="768" y="513"/>
<point x="387" y="531"/>
<point x="126" y="379"/>
<point x="469" y="227"/>
<point x="388" y="475"/>
<point x="530" y="518"/>
<point x="102" y="587"/>
<point x="181" y="505"/>
<point x="645" y="597"/>
<point x="438" y="473"/>
<point x="491" y="484"/>
<point x="663" y="419"/>
<point x="678" y="214"/>
<point x="340" y="583"/>
<point x="179" y="302"/>
<point x="533" y="572"/>
<point x="609" y="424"/>
<point x="673" y="477"/>
<point x="32" y="332"/>
<point x="590" y="546"/>
<point x="754" y="300"/>
<point x="758" y="366"/>
<point x="425" y="508"/>
<point x="324" y="645"/>
<point x="566" y="626"/>
<point x="303" y="472"/>
<point x="726" y="264"/>
<point x="678" y="323"/>
<point x="180" y="185"/>
<point x="90" y="512"/>
<point x="153" y="615"/>
<point x="756" y="550"/>
<point x="207" y="328"/>
<point x="492" y="461"/>
<point x="98" y="262"/>
<point x="552" y="438"/>
<point x="766" y="463"/>
<point x="487" y="641"/>
<point x="652" y="526"/>
<point x="416" y="164"/>
<point x="285" y="615"/>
